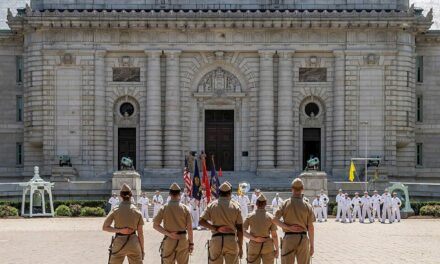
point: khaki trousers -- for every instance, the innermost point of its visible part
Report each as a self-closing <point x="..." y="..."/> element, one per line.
<point x="175" y="251"/>
<point x="223" y="248"/>
<point x="293" y="247"/>
<point x="132" y="250"/>
<point x="260" y="252"/>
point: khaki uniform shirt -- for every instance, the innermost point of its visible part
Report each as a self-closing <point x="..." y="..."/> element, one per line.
<point x="126" y="215"/>
<point x="296" y="211"/>
<point x="260" y="223"/>
<point x="175" y="216"/>
<point x="223" y="212"/>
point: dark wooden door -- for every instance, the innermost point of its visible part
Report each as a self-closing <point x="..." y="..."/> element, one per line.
<point x="311" y="144"/>
<point x="126" y="145"/>
<point x="219" y="138"/>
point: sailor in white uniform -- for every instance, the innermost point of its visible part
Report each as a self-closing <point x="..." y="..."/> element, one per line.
<point x="317" y="209"/>
<point x="323" y="200"/>
<point x="366" y="207"/>
<point x="157" y="203"/>
<point x="386" y="210"/>
<point x="144" y="202"/>
<point x="276" y="202"/>
<point x="356" y="201"/>
<point x="195" y="213"/>
<point x="376" y="201"/>
<point x="397" y="203"/>
<point x="346" y="209"/>
<point x="339" y="201"/>
<point x="243" y="201"/>
<point x="114" y="201"/>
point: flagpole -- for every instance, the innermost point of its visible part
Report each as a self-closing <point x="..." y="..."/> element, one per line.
<point x="366" y="154"/>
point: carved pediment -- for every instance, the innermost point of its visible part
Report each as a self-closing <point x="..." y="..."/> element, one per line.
<point x="219" y="82"/>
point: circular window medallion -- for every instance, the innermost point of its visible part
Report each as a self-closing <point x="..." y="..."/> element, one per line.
<point x="126" y="109"/>
<point x="311" y="109"/>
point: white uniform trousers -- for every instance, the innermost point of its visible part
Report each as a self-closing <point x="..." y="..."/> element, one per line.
<point x="324" y="212"/>
<point x="386" y="213"/>
<point x="156" y="210"/>
<point x="145" y="212"/>
<point x="339" y="212"/>
<point x="318" y="213"/>
<point x="366" y="211"/>
<point x="376" y="212"/>
<point x="357" y="213"/>
<point x="346" y="213"/>
<point x="195" y="215"/>
<point x="396" y="214"/>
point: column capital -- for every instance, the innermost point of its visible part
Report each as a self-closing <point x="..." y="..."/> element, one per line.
<point x="172" y="53"/>
<point x="100" y="53"/>
<point x="339" y="53"/>
<point x="285" y="54"/>
<point x="153" y="53"/>
<point x="266" y="53"/>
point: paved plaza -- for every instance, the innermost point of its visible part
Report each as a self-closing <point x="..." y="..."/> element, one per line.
<point x="80" y="240"/>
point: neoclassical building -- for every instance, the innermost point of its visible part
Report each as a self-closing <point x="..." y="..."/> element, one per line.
<point x="262" y="85"/>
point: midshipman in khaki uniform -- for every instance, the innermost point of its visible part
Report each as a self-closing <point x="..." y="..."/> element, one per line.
<point x="226" y="225"/>
<point x="177" y="224"/>
<point x="127" y="222"/>
<point x="298" y="241"/>
<point x="262" y="248"/>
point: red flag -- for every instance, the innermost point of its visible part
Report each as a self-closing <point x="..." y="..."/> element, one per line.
<point x="220" y="172"/>
<point x="205" y="181"/>
<point x="188" y="182"/>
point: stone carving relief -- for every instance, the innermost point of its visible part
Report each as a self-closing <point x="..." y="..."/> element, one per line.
<point x="371" y="59"/>
<point x="126" y="112"/>
<point x="311" y="112"/>
<point x="219" y="82"/>
<point x="67" y="59"/>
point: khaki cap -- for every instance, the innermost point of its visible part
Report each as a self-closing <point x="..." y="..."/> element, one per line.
<point x="225" y="187"/>
<point x="125" y="188"/>
<point x="175" y="187"/>
<point x="261" y="198"/>
<point x="297" y="183"/>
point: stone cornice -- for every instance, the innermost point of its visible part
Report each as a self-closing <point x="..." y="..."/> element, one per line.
<point x="431" y="37"/>
<point x="184" y="20"/>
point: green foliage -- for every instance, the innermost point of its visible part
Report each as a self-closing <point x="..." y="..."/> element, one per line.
<point x="92" y="211"/>
<point x="63" y="210"/>
<point x="90" y="203"/>
<point x="75" y="209"/>
<point x="332" y="207"/>
<point x="6" y="211"/>
<point x="416" y="206"/>
<point x="430" y="210"/>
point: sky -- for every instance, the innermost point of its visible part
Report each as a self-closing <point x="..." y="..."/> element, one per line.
<point x="425" y="4"/>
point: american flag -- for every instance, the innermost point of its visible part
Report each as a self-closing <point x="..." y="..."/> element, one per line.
<point x="188" y="182"/>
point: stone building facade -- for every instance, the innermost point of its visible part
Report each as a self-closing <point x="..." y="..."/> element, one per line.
<point x="263" y="85"/>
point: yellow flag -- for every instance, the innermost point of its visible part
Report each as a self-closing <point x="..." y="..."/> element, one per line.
<point x="352" y="171"/>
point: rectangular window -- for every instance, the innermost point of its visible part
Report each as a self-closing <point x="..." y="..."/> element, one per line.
<point x="19" y="153"/>
<point x="419" y="154"/>
<point x="126" y="74"/>
<point x="407" y="79"/>
<point x="19" y="106"/>
<point x="419" y="109"/>
<point x="19" y="68"/>
<point x="419" y="67"/>
<point x="312" y="74"/>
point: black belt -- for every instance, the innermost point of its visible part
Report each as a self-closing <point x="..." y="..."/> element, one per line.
<point x="120" y="234"/>
<point x="295" y="233"/>
<point x="181" y="232"/>
<point x="223" y="234"/>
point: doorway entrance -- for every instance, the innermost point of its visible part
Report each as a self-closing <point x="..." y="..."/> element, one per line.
<point x="311" y="144"/>
<point x="126" y="145"/>
<point x="219" y="138"/>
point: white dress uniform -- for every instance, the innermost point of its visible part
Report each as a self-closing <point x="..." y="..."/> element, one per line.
<point x="114" y="201"/>
<point x="243" y="200"/>
<point x="386" y="210"/>
<point x="195" y="212"/>
<point x="396" y="209"/>
<point x="317" y="209"/>
<point x="203" y="204"/>
<point x="340" y="201"/>
<point x="144" y="202"/>
<point x="323" y="199"/>
<point x="253" y="202"/>
<point x="376" y="201"/>
<point x="185" y="199"/>
<point x="346" y="210"/>
<point x="157" y="204"/>
<point x="356" y="201"/>
<point x="366" y="208"/>
<point x="276" y="203"/>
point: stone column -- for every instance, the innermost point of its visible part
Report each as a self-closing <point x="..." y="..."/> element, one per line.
<point x="338" y="140"/>
<point x="285" y="111"/>
<point x="153" y="137"/>
<point x="100" y="129"/>
<point x="266" y="131"/>
<point x="173" y="134"/>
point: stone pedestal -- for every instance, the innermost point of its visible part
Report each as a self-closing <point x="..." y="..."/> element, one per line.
<point x="314" y="181"/>
<point x="132" y="178"/>
<point x="63" y="174"/>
